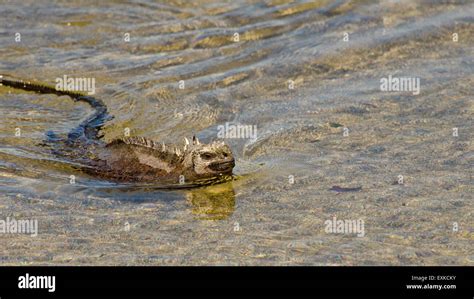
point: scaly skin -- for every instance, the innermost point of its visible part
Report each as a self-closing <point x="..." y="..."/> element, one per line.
<point x="137" y="159"/>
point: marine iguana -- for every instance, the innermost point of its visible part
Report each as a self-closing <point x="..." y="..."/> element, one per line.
<point x="137" y="159"/>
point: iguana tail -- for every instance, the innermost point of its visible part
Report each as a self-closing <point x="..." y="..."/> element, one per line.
<point x="88" y="128"/>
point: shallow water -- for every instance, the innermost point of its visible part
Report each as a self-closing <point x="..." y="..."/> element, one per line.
<point x="263" y="217"/>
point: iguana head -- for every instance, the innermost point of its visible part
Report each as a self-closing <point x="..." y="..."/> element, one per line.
<point x="207" y="160"/>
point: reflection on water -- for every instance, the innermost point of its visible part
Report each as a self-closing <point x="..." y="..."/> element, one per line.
<point x="305" y="74"/>
<point x="213" y="202"/>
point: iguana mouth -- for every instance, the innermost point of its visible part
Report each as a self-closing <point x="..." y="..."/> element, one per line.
<point x="222" y="166"/>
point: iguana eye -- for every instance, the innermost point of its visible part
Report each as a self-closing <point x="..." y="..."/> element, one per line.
<point x="207" y="156"/>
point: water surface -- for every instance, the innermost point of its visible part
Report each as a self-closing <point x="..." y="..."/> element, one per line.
<point x="264" y="217"/>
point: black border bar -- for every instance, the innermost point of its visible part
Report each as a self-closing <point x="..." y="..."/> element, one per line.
<point x="293" y="282"/>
